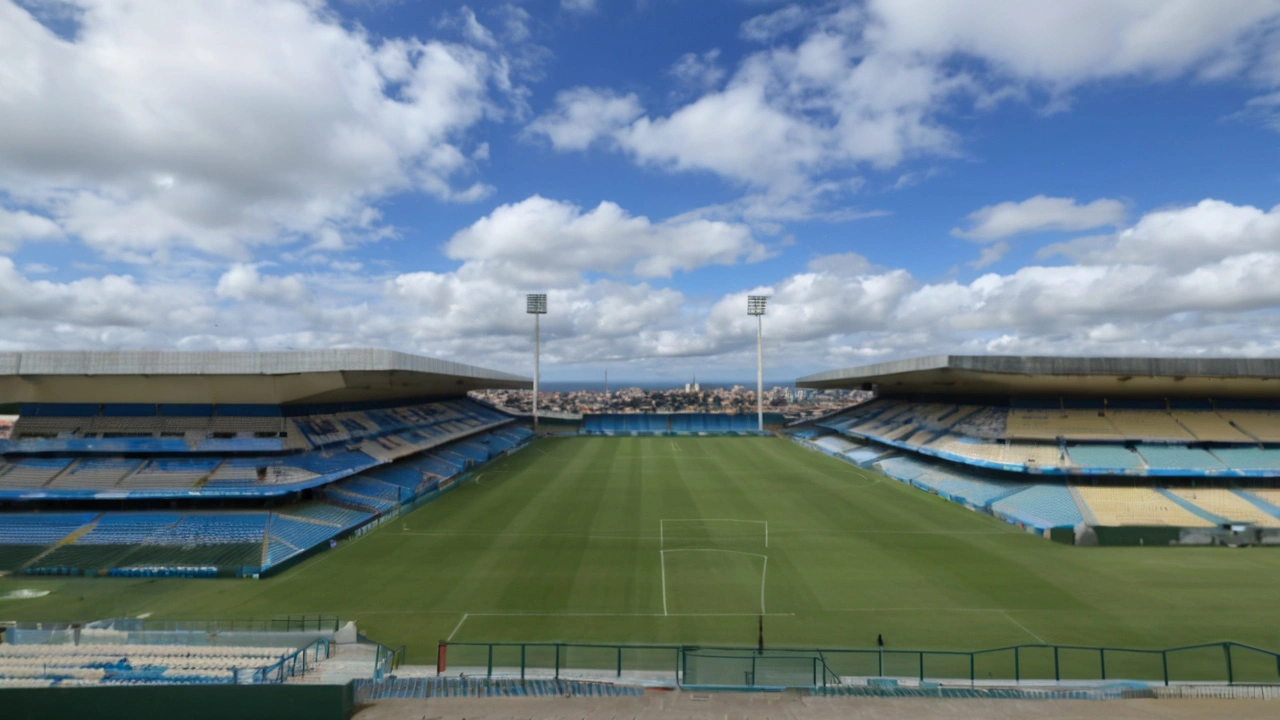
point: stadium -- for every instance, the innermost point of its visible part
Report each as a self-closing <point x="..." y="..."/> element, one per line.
<point x="348" y="526"/>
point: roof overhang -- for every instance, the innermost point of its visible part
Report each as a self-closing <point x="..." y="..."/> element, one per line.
<point x="307" y="376"/>
<point x="1055" y="376"/>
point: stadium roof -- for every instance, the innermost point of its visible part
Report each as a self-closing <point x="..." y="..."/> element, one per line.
<point x="1054" y="376"/>
<point x="308" y="376"/>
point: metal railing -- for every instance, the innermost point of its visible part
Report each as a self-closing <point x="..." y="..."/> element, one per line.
<point x="386" y="660"/>
<point x="1221" y="662"/>
<point x="294" y="664"/>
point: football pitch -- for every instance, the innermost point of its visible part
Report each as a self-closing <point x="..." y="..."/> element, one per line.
<point x="689" y="540"/>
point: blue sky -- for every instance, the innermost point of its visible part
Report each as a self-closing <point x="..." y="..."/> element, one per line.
<point x="921" y="176"/>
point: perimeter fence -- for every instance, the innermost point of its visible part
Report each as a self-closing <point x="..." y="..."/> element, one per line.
<point x="737" y="667"/>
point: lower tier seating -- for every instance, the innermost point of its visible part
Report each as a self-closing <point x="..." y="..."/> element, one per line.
<point x="1114" y="506"/>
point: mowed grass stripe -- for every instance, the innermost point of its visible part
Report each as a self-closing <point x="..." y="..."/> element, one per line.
<point x="561" y="542"/>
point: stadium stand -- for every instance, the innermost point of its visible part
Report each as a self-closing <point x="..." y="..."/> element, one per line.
<point x="1264" y="426"/>
<point x="1114" y="506"/>
<point x="1249" y="458"/>
<point x="1116" y="458"/>
<point x="107" y="659"/>
<point x="1178" y="458"/>
<point x="1040" y="506"/>
<point x="1227" y="504"/>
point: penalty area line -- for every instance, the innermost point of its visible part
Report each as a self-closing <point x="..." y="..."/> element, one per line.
<point x="1014" y="620"/>
<point x="457" y="627"/>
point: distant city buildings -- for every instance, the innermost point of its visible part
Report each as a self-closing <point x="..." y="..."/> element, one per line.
<point x="792" y="403"/>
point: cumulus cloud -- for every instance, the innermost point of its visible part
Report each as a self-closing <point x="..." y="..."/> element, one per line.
<point x="1039" y="214"/>
<point x="1183" y="238"/>
<point x="221" y="126"/>
<point x="18" y="227"/>
<point x="847" y="88"/>
<point x="584" y="115"/>
<point x="552" y="242"/>
<point x="1130" y="292"/>
<point x="698" y="72"/>
<point x="244" y="283"/>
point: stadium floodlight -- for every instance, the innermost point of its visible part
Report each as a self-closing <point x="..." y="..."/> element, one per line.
<point x="536" y="305"/>
<point x="755" y="306"/>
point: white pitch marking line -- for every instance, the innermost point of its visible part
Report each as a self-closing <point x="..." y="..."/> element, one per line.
<point x="457" y="627"/>
<point x="663" y="556"/>
<point x="1024" y="627"/>
<point x="735" y="552"/>
<point x="763" y="571"/>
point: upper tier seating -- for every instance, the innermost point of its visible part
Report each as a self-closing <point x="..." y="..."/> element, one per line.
<point x="171" y="473"/>
<point x="1227" y="504"/>
<point x="1264" y="426"/>
<point x="32" y="472"/>
<point x="1249" y="458"/>
<point x="1025" y="454"/>
<point x="1148" y="425"/>
<point x="1101" y="456"/>
<point x="1210" y="427"/>
<point x="257" y="470"/>
<point x="1115" y="506"/>
<point x="94" y="474"/>
<point x="834" y="444"/>
<point x="1177" y="457"/>
<point x="1052" y="424"/>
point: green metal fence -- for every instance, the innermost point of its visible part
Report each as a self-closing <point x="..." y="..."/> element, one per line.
<point x="1222" y="662"/>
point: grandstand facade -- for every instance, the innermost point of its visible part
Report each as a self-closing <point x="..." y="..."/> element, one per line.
<point x="1189" y="446"/>
<point x="217" y="464"/>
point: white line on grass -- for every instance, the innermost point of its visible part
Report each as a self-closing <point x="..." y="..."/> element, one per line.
<point x="663" y="521"/>
<point x="557" y="614"/>
<point x="457" y="627"/>
<point x="1024" y="627"/>
<point x="763" y="571"/>
<point x="663" y="557"/>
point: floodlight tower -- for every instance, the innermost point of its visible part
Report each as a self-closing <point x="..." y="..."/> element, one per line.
<point x="537" y="307"/>
<point x="755" y="306"/>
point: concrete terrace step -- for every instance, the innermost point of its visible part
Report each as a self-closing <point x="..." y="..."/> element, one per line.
<point x="348" y="662"/>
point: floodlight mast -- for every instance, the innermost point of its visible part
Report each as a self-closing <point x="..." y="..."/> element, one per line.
<point x="536" y="305"/>
<point x="755" y="306"/>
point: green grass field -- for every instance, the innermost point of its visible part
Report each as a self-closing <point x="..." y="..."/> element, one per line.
<point x="659" y="540"/>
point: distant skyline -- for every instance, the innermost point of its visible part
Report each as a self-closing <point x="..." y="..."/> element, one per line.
<point x="902" y="177"/>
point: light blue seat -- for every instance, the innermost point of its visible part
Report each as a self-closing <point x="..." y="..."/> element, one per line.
<point x="1042" y="506"/>
<point x="1104" y="456"/>
<point x="1178" y="457"/>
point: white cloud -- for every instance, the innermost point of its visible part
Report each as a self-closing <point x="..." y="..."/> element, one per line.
<point x="581" y="6"/>
<point x="698" y="72"/>
<point x="1115" y="299"/>
<point x="1183" y="238"/>
<point x="763" y="28"/>
<point x="584" y="115"/>
<point x="18" y="227"/>
<point x="1039" y="214"/>
<point x="990" y="255"/>
<point x="225" y="125"/>
<point x="870" y="87"/>
<point x="244" y="283"/>
<point x="545" y="241"/>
